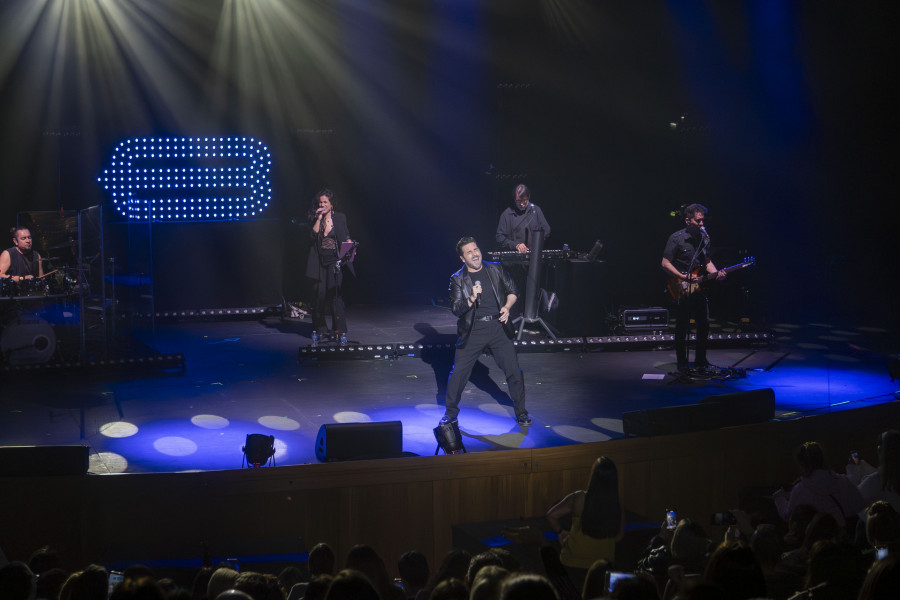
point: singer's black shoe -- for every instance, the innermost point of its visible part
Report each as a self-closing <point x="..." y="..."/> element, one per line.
<point x="524" y="420"/>
<point x="445" y="420"/>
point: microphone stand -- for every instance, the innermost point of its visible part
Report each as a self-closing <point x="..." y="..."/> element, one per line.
<point x="704" y="242"/>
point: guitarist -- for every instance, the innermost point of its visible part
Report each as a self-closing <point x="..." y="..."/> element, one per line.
<point x="685" y="258"/>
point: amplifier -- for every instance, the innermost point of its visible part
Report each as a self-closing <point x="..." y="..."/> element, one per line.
<point x="654" y="318"/>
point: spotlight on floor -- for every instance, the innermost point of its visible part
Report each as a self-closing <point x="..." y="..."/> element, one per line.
<point x="259" y="450"/>
<point x="449" y="438"/>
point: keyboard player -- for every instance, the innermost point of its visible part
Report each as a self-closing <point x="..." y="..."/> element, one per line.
<point x="519" y="222"/>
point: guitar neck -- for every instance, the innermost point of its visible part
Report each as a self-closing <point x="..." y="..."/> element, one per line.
<point x="709" y="276"/>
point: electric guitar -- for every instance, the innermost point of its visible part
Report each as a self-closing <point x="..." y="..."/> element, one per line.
<point x="679" y="287"/>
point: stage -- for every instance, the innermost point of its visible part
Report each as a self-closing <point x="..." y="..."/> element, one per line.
<point x="246" y="376"/>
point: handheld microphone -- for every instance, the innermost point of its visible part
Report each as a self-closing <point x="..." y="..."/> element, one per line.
<point x="703" y="229"/>
<point x="478" y="295"/>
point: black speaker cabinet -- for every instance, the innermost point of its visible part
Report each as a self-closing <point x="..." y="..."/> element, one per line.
<point x="712" y="412"/>
<point x="20" y="461"/>
<point x="358" y="441"/>
<point x="743" y="408"/>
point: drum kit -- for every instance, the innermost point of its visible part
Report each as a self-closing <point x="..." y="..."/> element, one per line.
<point x="59" y="282"/>
<point x="25" y="335"/>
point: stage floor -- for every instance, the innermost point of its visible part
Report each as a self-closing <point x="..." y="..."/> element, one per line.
<point x="244" y="377"/>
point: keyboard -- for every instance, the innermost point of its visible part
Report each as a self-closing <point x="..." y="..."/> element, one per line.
<point x="512" y="255"/>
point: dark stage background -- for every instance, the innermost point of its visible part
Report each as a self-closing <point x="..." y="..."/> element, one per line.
<point x="423" y="115"/>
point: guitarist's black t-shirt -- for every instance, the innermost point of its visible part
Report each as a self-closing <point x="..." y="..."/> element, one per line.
<point x="680" y="250"/>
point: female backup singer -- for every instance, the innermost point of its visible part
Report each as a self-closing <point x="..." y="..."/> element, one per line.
<point x="329" y="230"/>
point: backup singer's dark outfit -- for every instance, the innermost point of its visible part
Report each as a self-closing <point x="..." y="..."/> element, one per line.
<point x="478" y="327"/>
<point x="22" y="265"/>
<point x="322" y="266"/>
<point x="515" y="226"/>
<point x="681" y="247"/>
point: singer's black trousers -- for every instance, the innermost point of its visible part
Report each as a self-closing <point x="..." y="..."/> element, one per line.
<point x="329" y="301"/>
<point x="695" y="305"/>
<point x="486" y="334"/>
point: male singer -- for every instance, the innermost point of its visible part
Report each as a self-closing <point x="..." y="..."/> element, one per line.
<point x="481" y="295"/>
<point x="519" y="221"/>
<point x="686" y="253"/>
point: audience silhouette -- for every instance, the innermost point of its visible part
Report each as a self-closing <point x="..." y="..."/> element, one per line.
<point x="807" y="551"/>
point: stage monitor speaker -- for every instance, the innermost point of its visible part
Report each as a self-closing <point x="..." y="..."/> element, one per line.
<point x="743" y="408"/>
<point x="359" y="441"/>
<point x="670" y="420"/>
<point x="712" y="412"/>
<point x="22" y="461"/>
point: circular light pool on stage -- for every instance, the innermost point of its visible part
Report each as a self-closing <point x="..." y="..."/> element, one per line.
<point x="210" y="421"/>
<point x="103" y="463"/>
<point x="351" y="417"/>
<point x="580" y="434"/>
<point x="608" y="424"/>
<point x="118" y="429"/>
<point x="175" y="446"/>
<point x="514" y="439"/>
<point x="279" y="423"/>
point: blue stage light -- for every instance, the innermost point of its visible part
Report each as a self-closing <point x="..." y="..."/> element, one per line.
<point x="226" y="176"/>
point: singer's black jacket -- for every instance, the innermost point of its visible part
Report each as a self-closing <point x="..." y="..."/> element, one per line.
<point x="461" y="289"/>
<point x="341" y="234"/>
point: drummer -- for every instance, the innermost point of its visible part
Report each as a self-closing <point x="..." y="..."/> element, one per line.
<point x="20" y="261"/>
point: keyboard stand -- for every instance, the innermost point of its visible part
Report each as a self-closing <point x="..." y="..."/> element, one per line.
<point x="530" y="313"/>
<point x="521" y="321"/>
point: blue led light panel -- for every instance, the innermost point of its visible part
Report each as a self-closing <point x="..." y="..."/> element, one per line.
<point x="189" y="178"/>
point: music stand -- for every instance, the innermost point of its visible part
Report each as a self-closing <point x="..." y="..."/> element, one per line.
<point x="348" y="251"/>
